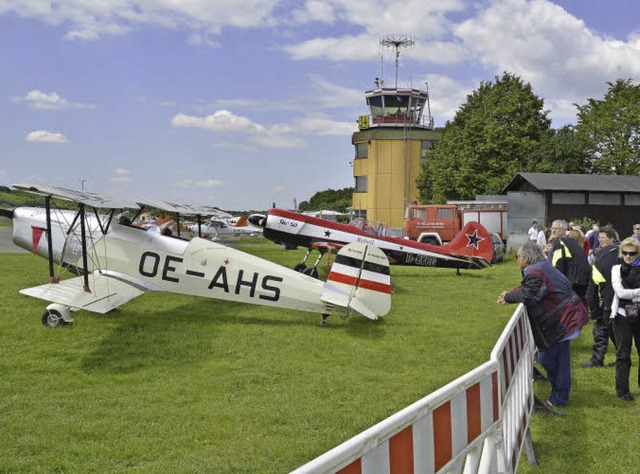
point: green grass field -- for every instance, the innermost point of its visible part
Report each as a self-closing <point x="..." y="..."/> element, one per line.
<point x="171" y="383"/>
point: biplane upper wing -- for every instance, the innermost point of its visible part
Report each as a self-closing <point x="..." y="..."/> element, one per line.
<point x="108" y="292"/>
<point x="81" y="197"/>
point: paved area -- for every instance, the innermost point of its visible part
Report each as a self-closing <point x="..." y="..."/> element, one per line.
<point x="6" y="243"/>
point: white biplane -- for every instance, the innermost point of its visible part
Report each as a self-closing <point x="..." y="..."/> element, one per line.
<point x="117" y="262"/>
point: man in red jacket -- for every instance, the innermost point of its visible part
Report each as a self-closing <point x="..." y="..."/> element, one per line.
<point x="556" y="314"/>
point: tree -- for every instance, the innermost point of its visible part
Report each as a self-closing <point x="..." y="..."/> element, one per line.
<point x="492" y="137"/>
<point x="559" y="151"/>
<point x="610" y="129"/>
<point x="335" y="200"/>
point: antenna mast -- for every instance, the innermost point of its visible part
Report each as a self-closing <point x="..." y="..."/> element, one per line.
<point x="397" y="43"/>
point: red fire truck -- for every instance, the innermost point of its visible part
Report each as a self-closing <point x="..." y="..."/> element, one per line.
<point x="439" y="223"/>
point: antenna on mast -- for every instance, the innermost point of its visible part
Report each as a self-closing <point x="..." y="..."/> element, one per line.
<point x="397" y="43"/>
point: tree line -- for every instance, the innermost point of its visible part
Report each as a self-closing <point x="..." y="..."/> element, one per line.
<point x="502" y="129"/>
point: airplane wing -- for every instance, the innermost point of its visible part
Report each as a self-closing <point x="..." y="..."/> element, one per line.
<point x="82" y="197"/>
<point x="107" y="292"/>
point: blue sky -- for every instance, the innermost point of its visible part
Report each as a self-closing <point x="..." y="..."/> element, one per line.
<point x="243" y="104"/>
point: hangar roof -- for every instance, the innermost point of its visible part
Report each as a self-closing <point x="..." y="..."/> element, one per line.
<point x="575" y="182"/>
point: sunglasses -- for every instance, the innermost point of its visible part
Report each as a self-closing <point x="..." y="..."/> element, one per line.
<point x="629" y="254"/>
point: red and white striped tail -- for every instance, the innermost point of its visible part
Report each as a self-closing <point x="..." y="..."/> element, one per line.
<point x="359" y="280"/>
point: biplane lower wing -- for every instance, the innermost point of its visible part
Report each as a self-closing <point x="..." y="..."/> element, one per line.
<point x="105" y="294"/>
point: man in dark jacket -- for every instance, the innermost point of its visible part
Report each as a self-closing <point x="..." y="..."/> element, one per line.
<point x="556" y="314"/>
<point x="568" y="256"/>
<point x="600" y="295"/>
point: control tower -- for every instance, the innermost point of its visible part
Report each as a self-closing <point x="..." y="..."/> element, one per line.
<point x="389" y="147"/>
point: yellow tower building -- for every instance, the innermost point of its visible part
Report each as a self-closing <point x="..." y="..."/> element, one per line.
<point x="389" y="147"/>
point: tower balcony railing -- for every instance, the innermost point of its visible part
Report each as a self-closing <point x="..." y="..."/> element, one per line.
<point x="401" y="120"/>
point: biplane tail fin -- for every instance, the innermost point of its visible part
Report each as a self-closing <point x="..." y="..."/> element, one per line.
<point x="472" y="241"/>
<point x="359" y="280"/>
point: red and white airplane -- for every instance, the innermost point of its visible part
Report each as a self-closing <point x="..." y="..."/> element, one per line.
<point x="472" y="248"/>
<point x="117" y="263"/>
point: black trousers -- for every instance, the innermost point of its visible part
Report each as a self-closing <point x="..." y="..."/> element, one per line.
<point x="625" y="332"/>
<point x="602" y="331"/>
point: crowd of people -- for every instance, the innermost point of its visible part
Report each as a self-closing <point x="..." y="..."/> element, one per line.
<point x="573" y="275"/>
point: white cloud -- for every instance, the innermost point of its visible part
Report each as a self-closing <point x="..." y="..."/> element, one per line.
<point x="321" y="125"/>
<point x="328" y="95"/>
<point x="362" y="47"/>
<point x="548" y="47"/>
<point x="183" y="183"/>
<point x="209" y="183"/>
<point x="446" y="96"/>
<point x="44" y="136"/>
<point x="315" y="10"/>
<point x="256" y="136"/>
<point x="39" y="100"/>
<point x="122" y="175"/>
<point x="278" y="189"/>
<point x="221" y="121"/>
<point x="90" y="20"/>
<point x="279" y="142"/>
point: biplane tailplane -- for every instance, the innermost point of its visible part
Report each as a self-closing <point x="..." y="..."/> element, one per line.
<point x="359" y="280"/>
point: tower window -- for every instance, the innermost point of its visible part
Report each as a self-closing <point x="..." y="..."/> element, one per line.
<point x="361" y="184"/>
<point x="375" y="105"/>
<point x="362" y="150"/>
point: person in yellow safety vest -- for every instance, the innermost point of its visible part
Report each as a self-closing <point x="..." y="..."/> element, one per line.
<point x="600" y="295"/>
<point x="568" y="256"/>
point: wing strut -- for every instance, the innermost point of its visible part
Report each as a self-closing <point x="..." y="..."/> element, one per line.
<point x="83" y="234"/>
<point x="47" y="204"/>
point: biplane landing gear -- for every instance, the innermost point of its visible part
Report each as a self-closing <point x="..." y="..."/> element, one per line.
<point x="56" y="315"/>
<point x="323" y="323"/>
<point x="301" y="267"/>
<point x="311" y="271"/>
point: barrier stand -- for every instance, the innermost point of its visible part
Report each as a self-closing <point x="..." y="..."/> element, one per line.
<point x="477" y="423"/>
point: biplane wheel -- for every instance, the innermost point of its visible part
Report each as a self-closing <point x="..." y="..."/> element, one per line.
<point x="301" y="267"/>
<point x="312" y="272"/>
<point x="52" y="318"/>
<point x="56" y="315"/>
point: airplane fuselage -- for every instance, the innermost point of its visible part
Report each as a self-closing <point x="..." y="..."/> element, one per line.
<point x="295" y="229"/>
<point x="151" y="261"/>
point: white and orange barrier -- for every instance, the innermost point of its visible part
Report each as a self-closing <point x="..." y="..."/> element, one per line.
<point x="477" y="423"/>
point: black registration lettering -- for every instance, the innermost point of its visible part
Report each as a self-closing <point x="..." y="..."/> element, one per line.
<point x="168" y="268"/>
<point x="250" y="284"/>
<point x="275" y="296"/>
<point x="220" y="280"/>
<point x="149" y="269"/>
